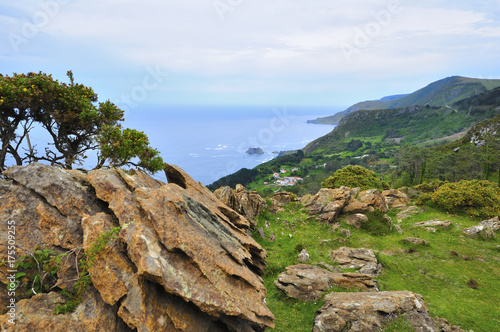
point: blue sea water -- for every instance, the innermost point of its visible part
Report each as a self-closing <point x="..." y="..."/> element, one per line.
<point x="210" y="142"/>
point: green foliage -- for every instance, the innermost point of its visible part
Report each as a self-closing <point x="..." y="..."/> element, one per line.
<point x="439" y="272"/>
<point x="354" y="176"/>
<point x="480" y="199"/>
<point x="429" y="187"/>
<point x="398" y="324"/>
<point x="37" y="271"/>
<point x="243" y="177"/>
<point x="84" y="279"/>
<point x="69" y="113"/>
<point x="378" y="224"/>
<point x="120" y="147"/>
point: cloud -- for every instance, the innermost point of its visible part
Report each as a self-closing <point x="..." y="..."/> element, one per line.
<point x="255" y="45"/>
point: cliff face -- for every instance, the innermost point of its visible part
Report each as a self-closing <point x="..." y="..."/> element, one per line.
<point x="181" y="262"/>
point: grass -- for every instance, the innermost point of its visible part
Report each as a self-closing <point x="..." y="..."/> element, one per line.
<point x="457" y="276"/>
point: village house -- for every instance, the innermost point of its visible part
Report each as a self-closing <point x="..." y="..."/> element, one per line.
<point x="288" y="181"/>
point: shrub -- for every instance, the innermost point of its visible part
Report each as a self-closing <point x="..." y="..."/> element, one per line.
<point x="480" y="199"/>
<point x="354" y="176"/>
<point x="378" y="224"/>
<point x="429" y="187"/>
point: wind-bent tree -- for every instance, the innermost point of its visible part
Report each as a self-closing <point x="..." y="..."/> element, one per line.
<point x="72" y="116"/>
<point x="120" y="147"/>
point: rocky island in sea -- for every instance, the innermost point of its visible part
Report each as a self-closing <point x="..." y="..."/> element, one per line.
<point x="255" y="151"/>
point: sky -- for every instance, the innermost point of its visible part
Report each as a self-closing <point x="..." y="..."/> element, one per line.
<point x="330" y="53"/>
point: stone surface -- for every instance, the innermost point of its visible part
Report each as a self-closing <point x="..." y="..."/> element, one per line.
<point x="309" y="282"/>
<point x="356" y="220"/>
<point x="407" y="211"/>
<point x="247" y="203"/>
<point x="37" y="314"/>
<point x="434" y="223"/>
<point x="355" y="206"/>
<point x="281" y="198"/>
<point x="395" y="198"/>
<point x="327" y="204"/>
<point x="444" y="326"/>
<point x="485" y="226"/>
<point x="303" y="256"/>
<point x="416" y="241"/>
<point x="373" y="198"/>
<point x="356" y="258"/>
<point x="306" y="199"/>
<point x="181" y="262"/>
<point x="368" y="312"/>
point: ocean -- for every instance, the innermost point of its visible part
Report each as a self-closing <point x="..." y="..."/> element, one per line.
<point x="210" y="142"/>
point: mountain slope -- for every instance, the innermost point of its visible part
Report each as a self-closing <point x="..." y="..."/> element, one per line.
<point x="440" y="93"/>
<point x="411" y="124"/>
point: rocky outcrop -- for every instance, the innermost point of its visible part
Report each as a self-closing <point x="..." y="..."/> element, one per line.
<point x="281" y="199"/>
<point x="38" y="315"/>
<point x="485" y="227"/>
<point x="368" y="312"/>
<point x="328" y="204"/>
<point x="247" y="203"/>
<point x="309" y="282"/>
<point x="182" y="260"/>
<point x="395" y="198"/>
<point x="356" y="220"/>
<point x="362" y="259"/>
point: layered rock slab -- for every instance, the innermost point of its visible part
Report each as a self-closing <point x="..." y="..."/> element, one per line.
<point x="368" y="312"/>
<point x="362" y="259"/>
<point x="182" y="260"/>
<point x="309" y="282"/>
<point x="247" y="203"/>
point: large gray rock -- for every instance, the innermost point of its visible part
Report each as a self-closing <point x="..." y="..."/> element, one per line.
<point x="309" y="282"/>
<point x="368" y="312"/>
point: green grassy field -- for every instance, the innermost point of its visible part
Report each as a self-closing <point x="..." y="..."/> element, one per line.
<point x="442" y="272"/>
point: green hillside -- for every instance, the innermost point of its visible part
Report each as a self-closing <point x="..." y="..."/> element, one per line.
<point x="411" y="124"/>
<point x="440" y="93"/>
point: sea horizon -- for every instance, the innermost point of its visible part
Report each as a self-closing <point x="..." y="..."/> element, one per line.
<point x="210" y="142"/>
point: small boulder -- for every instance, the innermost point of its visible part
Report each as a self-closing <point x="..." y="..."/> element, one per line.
<point x="281" y="198"/>
<point x="416" y="241"/>
<point x="434" y="223"/>
<point x="309" y="282"/>
<point x="395" y="198"/>
<point x="303" y="256"/>
<point x="357" y="258"/>
<point x="368" y="312"/>
<point x="487" y="226"/>
<point x="407" y="212"/>
<point x="261" y="233"/>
